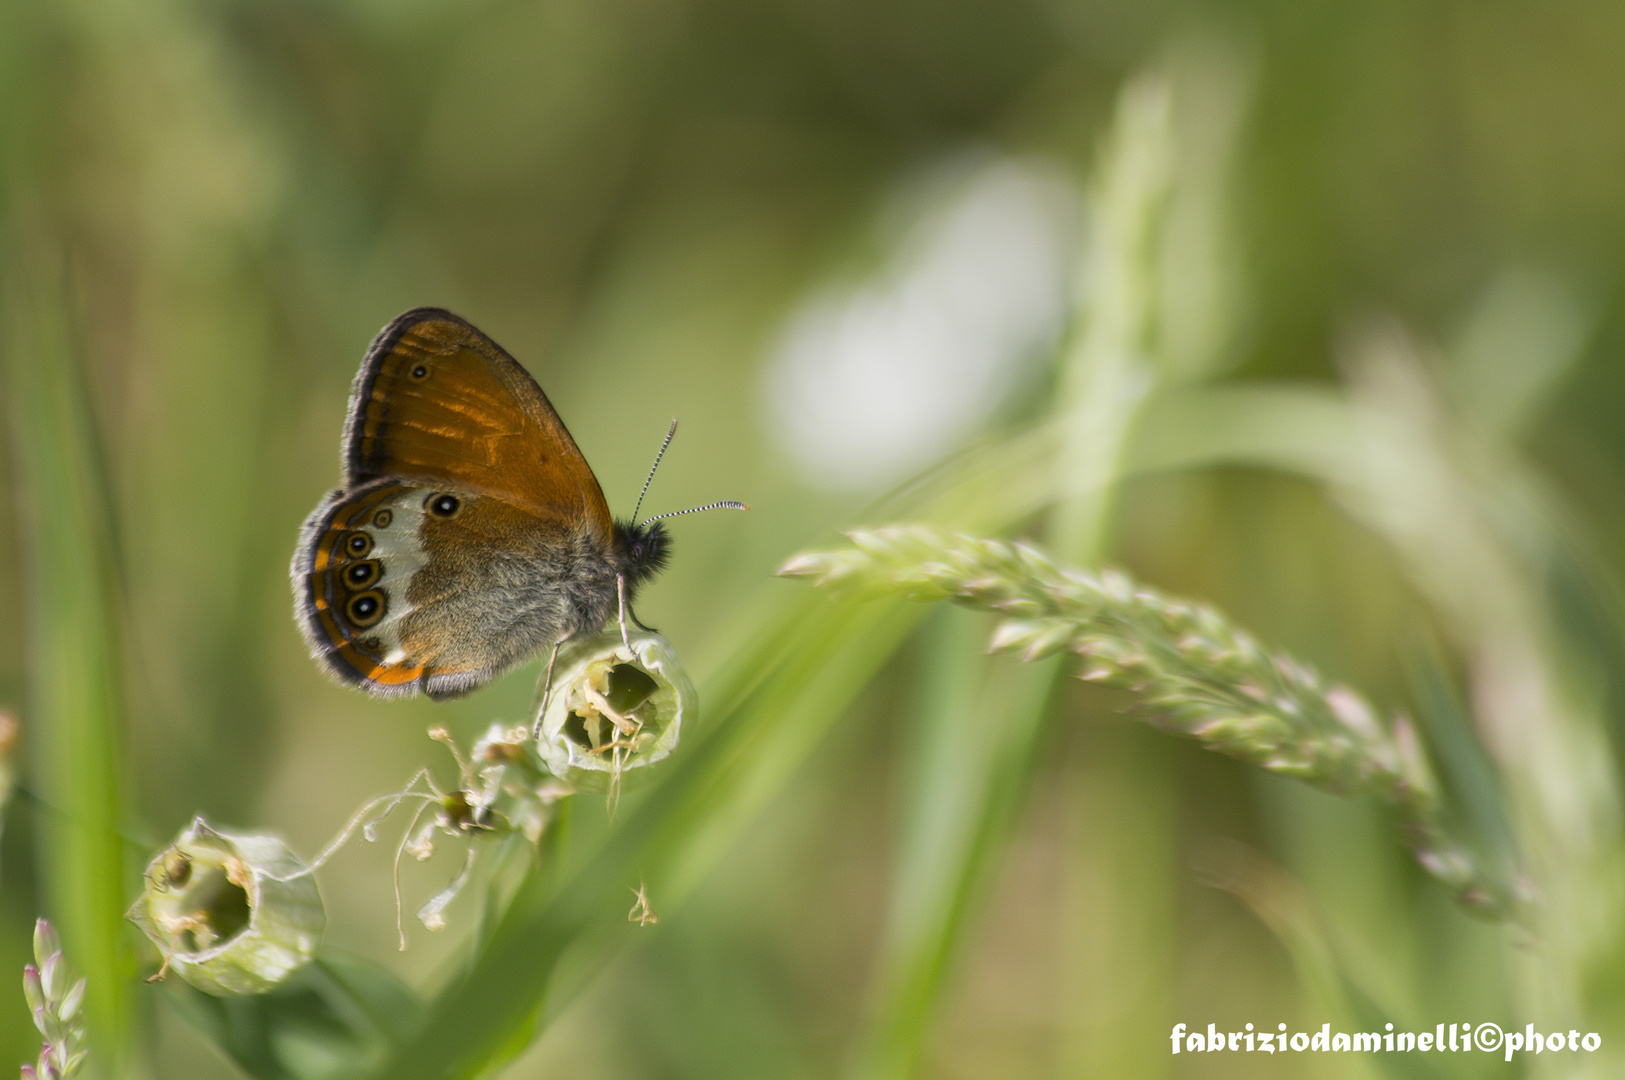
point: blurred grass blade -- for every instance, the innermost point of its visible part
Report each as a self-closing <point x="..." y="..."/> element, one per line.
<point x="1106" y="371"/>
<point x="1349" y="1003"/>
<point x="1304" y="429"/>
<point x="1522" y="341"/>
<point x="970" y="780"/>
<point x="781" y="716"/>
<point x="1475" y="793"/>
<point x="969" y="759"/>
<point x="1282" y="906"/>
<point x="337" y="1017"/>
<point x="8" y="763"/>
<point x="819" y="656"/>
<point x="74" y="726"/>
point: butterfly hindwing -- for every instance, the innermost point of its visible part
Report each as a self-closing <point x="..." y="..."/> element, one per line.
<point x="356" y="553"/>
<point x="404" y="588"/>
<point x="438" y="402"/>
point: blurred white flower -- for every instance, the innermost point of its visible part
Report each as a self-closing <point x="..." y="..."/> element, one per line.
<point x="871" y="384"/>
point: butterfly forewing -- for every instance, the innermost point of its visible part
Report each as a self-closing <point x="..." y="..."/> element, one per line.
<point x="437" y="401"/>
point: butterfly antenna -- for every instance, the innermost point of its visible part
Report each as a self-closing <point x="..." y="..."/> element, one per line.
<point x="669" y="433"/>
<point x="728" y="505"/>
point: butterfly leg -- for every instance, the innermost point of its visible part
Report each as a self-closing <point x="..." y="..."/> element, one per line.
<point x="547" y="688"/>
<point x="620" y="590"/>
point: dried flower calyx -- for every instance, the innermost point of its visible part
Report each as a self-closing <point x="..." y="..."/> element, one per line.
<point x="231" y="914"/>
<point x="616" y="705"/>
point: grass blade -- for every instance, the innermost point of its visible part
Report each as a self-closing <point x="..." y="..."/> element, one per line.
<point x="971" y="754"/>
<point x="74" y="662"/>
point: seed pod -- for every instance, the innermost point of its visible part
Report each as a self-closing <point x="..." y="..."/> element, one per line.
<point x="613" y="709"/>
<point x="232" y="914"/>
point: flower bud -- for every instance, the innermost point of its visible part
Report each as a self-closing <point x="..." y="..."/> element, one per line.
<point x="233" y="914"/>
<point x="54" y="998"/>
<point x="33" y="989"/>
<point x="613" y="709"/>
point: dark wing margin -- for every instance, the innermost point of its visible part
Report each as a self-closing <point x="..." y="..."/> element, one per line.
<point x="341" y="649"/>
<point x="354" y="462"/>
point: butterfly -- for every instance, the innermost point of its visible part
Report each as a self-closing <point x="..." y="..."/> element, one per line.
<point x="469" y="535"/>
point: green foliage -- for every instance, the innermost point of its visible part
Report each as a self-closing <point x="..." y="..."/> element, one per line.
<point x="77" y="697"/>
<point x="337" y="1017"/>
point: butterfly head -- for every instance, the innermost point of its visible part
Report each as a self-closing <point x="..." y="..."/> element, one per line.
<point x="645" y="549"/>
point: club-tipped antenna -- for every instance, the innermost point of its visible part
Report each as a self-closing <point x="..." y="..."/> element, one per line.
<point x="669" y="433"/>
<point x="725" y="505"/>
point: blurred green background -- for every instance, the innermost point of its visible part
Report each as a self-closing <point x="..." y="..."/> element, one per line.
<point x="842" y="240"/>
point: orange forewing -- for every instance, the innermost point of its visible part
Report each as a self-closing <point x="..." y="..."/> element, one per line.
<point x="436" y="401"/>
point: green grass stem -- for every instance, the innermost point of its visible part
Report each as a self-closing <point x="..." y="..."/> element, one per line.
<point x="74" y="720"/>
